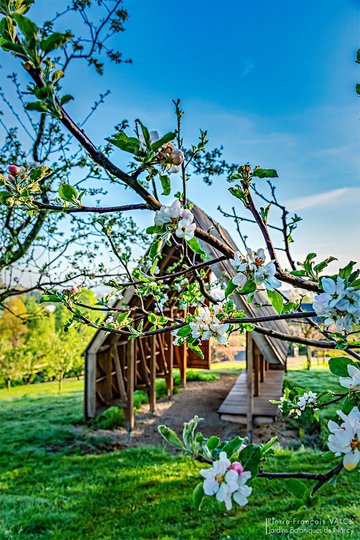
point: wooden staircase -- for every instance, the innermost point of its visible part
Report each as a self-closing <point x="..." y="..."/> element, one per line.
<point x="234" y="407"/>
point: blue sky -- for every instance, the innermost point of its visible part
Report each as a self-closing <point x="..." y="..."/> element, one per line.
<point x="271" y="80"/>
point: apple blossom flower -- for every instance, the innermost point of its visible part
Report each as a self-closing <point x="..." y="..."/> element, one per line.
<point x="185" y="229"/>
<point x="251" y="266"/>
<point x="219" y="332"/>
<point x="240" y="279"/>
<point x="338" y="304"/>
<point x="221" y="480"/>
<point x="353" y="381"/>
<point x="335" y="289"/>
<point x="308" y="398"/>
<point x="345" y="438"/>
<point x="179" y="216"/>
<point x="167" y="214"/>
<point x="239" y="262"/>
<point x="243" y="491"/>
<point x="227" y="480"/>
<point x="256" y="258"/>
<point x="265" y="275"/>
<point x="218" y="294"/>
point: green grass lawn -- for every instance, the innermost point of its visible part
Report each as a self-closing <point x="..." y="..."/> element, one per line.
<point x="56" y="481"/>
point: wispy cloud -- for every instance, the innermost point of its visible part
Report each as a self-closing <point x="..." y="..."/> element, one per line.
<point x="247" y="68"/>
<point x="342" y="196"/>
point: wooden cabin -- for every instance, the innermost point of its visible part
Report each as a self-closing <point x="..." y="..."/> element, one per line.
<point x="115" y="366"/>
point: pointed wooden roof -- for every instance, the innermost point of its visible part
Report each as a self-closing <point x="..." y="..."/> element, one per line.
<point x="274" y="350"/>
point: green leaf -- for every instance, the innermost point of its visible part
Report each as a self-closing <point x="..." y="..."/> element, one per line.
<point x="65" y="99"/>
<point x="250" y="457"/>
<point x="347" y="270"/>
<point x="36" y="106"/>
<point x="27" y="27"/>
<point x="170" y="437"/>
<point x="67" y="193"/>
<point x="184" y="331"/>
<point x="357" y="89"/>
<point x="155" y="248"/>
<point x="265" y="173"/>
<point x="38" y="173"/>
<point x="54" y="41"/>
<point x="49" y="298"/>
<point x="4" y="196"/>
<point x="122" y="317"/>
<point x="276" y="299"/>
<point x="298" y="272"/>
<point x="249" y="287"/>
<point x="358" y="57"/>
<point x="233" y="446"/>
<point x="122" y="141"/>
<point x="22" y="6"/>
<point x="230" y="288"/>
<point x="198" y="495"/>
<point x="13" y="47"/>
<point x="296" y="487"/>
<point x="189" y="431"/>
<point x="264" y="212"/>
<point x="195" y="246"/>
<point x="268" y="446"/>
<point x="338" y="365"/>
<point x="145" y="133"/>
<point x="323" y="264"/>
<point x="57" y="75"/>
<point x="196" y="349"/>
<point x="212" y="442"/>
<point x="152" y="317"/>
<point x="165" y="183"/>
<point x="155" y="229"/>
<point x="239" y="193"/>
<point x="165" y="139"/>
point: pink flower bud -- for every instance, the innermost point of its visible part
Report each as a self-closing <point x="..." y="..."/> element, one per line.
<point x="236" y="466"/>
<point x="74" y="290"/>
<point x="176" y="157"/>
<point x="13" y="170"/>
<point x="168" y="148"/>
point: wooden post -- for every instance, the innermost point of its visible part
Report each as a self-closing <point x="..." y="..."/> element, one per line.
<point x="119" y="375"/>
<point x="152" y="394"/>
<point x="170" y="355"/>
<point x="256" y="370"/>
<point x="130" y="385"/>
<point x="90" y="385"/>
<point x="183" y="363"/>
<point x="249" y="373"/>
<point x="262" y="368"/>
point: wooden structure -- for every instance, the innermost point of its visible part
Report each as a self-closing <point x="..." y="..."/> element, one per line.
<point x="116" y="366"/>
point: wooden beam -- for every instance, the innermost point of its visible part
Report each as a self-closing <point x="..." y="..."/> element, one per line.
<point x="249" y="371"/>
<point x="119" y="375"/>
<point x="256" y="370"/>
<point x="152" y="391"/>
<point x="170" y="356"/>
<point x="183" y="363"/>
<point x="262" y="368"/>
<point x="90" y="385"/>
<point x="130" y="385"/>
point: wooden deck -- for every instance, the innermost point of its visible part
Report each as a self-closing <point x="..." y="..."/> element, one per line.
<point x="234" y="406"/>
